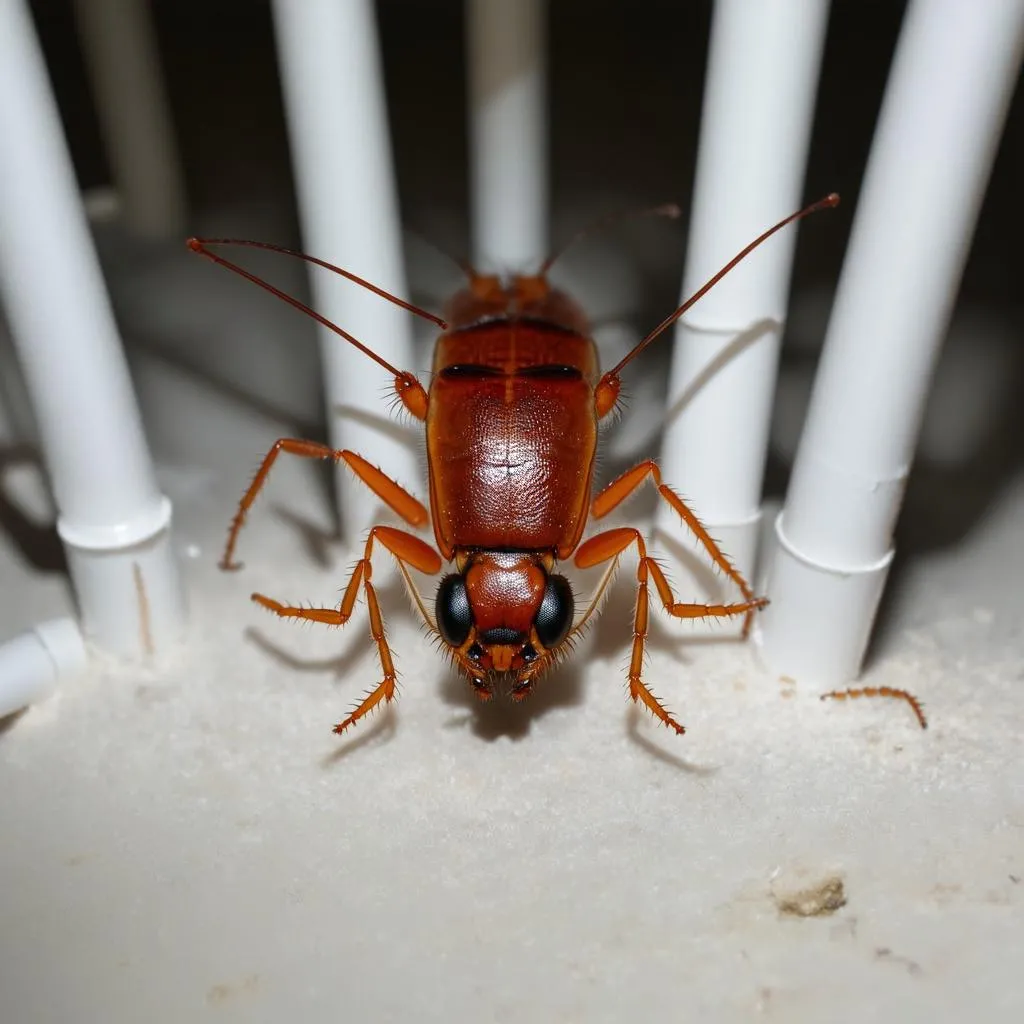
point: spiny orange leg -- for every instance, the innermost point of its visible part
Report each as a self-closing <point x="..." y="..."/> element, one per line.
<point x="391" y="493"/>
<point x="881" y="691"/>
<point x="609" y="545"/>
<point x="619" y="490"/>
<point x="409" y="550"/>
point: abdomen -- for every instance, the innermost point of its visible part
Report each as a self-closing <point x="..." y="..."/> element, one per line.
<point x="511" y="439"/>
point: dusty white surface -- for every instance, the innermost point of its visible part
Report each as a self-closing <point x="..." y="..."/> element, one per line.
<point x="188" y="841"/>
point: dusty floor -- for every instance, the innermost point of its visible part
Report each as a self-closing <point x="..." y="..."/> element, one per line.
<point x="189" y="841"/>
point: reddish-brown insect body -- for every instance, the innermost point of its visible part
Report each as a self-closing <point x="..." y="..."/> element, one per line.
<point x="511" y="421"/>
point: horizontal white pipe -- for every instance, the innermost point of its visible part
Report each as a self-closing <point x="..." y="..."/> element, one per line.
<point x="755" y="130"/>
<point x="53" y="293"/>
<point x="123" y="63"/>
<point x="953" y="74"/>
<point x="32" y="664"/>
<point x="348" y="204"/>
<point x="508" y="132"/>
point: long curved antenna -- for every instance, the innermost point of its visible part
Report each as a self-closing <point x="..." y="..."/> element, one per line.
<point x="665" y="210"/>
<point x="832" y="199"/>
<point x="199" y="245"/>
<point x="463" y="264"/>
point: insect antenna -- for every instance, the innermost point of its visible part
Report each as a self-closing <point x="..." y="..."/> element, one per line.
<point x="665" y="210"/>
<point x="417" y="600"/>
<point x="832" y="199"/>
<point x="461" y="262"/>
<point x="200" y="246"/>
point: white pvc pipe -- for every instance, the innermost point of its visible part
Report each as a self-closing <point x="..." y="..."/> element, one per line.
<point x="121" y="56"/>
<point x="32" y="664"/>
<point x="505" y="42"/>
<point x="755" y="130"/>
<point x="348" y="205"/>
<point x="113" y="520"/>
<point x="17" y="425"/>
<point x="954" y="71"/>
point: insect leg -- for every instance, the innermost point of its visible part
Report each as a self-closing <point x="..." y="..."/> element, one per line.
<point x="619" y="490"/>
<point x="606" y="547"/>
<point x="683" y="610"/>
<point x="408" y="550"/>
<point x="610" y="545"/>
<point x="396" y="497"/>
<point x="393" y="495"/>
<point x="881" y="691"/>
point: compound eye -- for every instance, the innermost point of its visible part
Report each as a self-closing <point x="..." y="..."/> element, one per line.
<point x="452" y="611"/>
<point x="554" y="617"/>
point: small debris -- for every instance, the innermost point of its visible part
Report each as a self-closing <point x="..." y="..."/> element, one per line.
<point x="818" y="901"/>
<point x="218" y="995"/>
<point x="885" y="954"/>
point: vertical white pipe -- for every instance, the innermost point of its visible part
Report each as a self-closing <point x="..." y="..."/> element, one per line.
<point x="953" y="74"/>
<point x="758" y="109"/>
<point x="17" y="425"/>
<point x="123" y="64"/>
<point x="348" y="204"/>
<point x="505" y="42"/>
<point x="113" y="520"/>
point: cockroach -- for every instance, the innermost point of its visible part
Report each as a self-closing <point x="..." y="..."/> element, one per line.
<point x="511" y="419"/>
